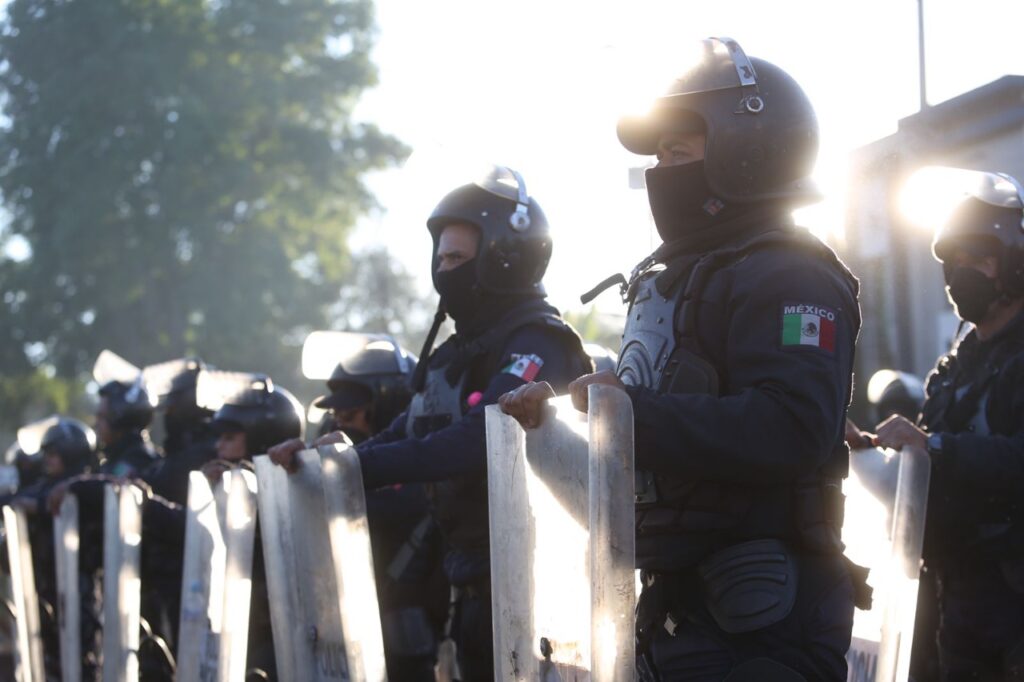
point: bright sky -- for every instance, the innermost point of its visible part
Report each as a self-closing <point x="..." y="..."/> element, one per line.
<point x="538" y="85"/>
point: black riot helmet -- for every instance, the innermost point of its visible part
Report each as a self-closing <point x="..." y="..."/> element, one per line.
<point x="515" y="246"/>
<point x="29" y="465"/>
<point x="761" y="130"/>
<point x="70" y="439"/>
<point x="892" y="392"/>
<point x="173" y="383"/>
<point x="251" y="403"/>
<point x="129" y="405"/>
<point x="987" y="220"/>
<point x="373" y="372"/>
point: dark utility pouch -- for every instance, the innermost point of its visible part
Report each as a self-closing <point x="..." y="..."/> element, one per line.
<point x="749" y="586"/>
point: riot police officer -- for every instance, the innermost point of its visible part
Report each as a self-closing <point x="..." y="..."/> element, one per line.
<point x="369" y="388"/>
<point x="67" y="447"/>
<point x="491" y="247"/>
<point x="255" y="414"/>
<point x="189" y="440"/>
<point x="737" y="357"/>
<point x="122" y="417"/>
<point x="972" y="425"/>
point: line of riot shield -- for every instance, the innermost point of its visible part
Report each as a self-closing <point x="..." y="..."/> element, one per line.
<point x="886" y="505"/>
<point x="320" y="579"/>
<point x="562" y="541"/>
<point x="122" y="587"/>
<point x="217" y="578"/>
<point x="69" y="608"/>
<point x="28" y="650"/>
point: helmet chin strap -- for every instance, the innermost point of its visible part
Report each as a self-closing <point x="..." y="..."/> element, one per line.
<point x="419" y="377"/>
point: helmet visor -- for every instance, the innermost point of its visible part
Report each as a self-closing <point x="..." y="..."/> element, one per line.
<point x="325" y="353"/>
<point x="721" y="65"/>
<point x="976" y="204"/>
<point x="110" y="366"/>
<point x="215" y="388"/>
<point x="30" y="436"/>
<point x="171" y="376"/>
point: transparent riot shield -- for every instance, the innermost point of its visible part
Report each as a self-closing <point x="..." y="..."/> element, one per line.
<point x="886" y="503"/>
<point x="562" y="541"/>
<point x="217" y="578"/>
<point x="320" y="580"/>
<point x="122" y="544"/>
<point x="28" y="649"/>
<point x="69" y="607"/>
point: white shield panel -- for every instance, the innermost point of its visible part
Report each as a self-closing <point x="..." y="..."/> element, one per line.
<point x="69" y="607"/>
<point x="122" y="545"/>
<point x="562" y="541"/>
<point x="28" y="661"/>
<point x="319" y="568"/>
<point x="886" y="504"/>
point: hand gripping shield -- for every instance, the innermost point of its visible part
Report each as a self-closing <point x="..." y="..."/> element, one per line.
<point x="122" y="587"/>
<point x="28" y="647"/>
<point x="320" y="580"/>
<point x="217" y="578"/>
<point x="886" y="503"/>
<point x="69" y="606"/>
<point x="563" y="584"/>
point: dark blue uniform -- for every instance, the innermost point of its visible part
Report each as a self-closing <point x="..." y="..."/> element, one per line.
<point x="974" y="542"/>
<point x="129" y="457"/>
<point x="738" y="359"/>
<point x="441" y="440"/>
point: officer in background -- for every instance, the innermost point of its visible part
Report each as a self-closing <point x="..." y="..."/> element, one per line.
<point x="29" y="467"/>
<point x="122" y="417"/>
<point x="737" y="356"/>
<point x="254" y="416"/>
<point x="972" y="426"/>
<point x="188" y="444"/>
<point x="368" y="389"/>
<point x="190" y="440"/>
<point x="68" y="448"/>
<point x="491" y="246"/>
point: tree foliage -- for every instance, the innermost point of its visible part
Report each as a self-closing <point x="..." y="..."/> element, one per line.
<point x="185" y="173"/>
<point x="382" y="296"/>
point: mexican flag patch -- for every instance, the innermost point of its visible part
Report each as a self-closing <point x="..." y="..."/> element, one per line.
<point x="525" y="367"/>
<point x="805" y="324"/>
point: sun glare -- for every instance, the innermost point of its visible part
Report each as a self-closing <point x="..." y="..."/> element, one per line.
<point x="930" y="193"/>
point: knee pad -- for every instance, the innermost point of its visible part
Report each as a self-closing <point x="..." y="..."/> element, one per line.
<point x="763" y="670"/>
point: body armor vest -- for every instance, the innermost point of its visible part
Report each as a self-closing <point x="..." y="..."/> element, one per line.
<point x="661" y="352"/>
<point x="460" y="505"/>
<point x="438" y="405"/>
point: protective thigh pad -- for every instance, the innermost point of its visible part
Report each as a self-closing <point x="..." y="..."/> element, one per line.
<point x="764" y="670"/>
<point x="749" y="586"/>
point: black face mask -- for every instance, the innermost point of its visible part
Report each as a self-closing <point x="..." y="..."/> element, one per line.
<point x="972" y="293"/>
<point x="459" y="292"/>
<point x="681" y="200"/>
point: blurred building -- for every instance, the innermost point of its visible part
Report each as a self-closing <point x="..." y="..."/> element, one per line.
<point x="907" y="320"/>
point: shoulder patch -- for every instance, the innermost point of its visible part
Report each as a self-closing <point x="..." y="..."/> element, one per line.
<point x="526" y="367"/>
<point x="809" y="324"/>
